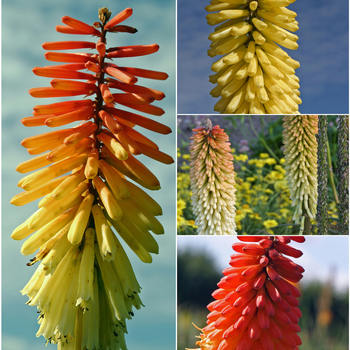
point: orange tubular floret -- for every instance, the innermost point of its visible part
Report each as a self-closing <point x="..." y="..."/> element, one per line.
<point x="84" y="113"/>
<point x="119" y="74"/>
<point x="129" y="98"/>
<point x="72" y="85"/>
<point x="36" y="121"/>
<point x="61" y="107"/>
<point x="93" y="67"/>
<point x="128" y="142"/>
<point x="81" y="26"/>
<point x="138" y="137"/>
<point x="139" y="120"/>
<point x="68" y="45"/>
<point x="52" y="138"/>
<point x="70" y="57"/>
<point x="149" y="109"/>
<point x="155" y="154"/>
<point x="46" y="92"/>
<point x="69" y="30"/>
<point x="157" y="95"/>
<point x="55" y="72"/>
<point x="101" y="48"/>
<point x="110" y="122"/>
<point x="132" y="51"/>
<point x="106" y="94"/>
<point x="145" y="73"/>
<point x="81" y="131"/>
<point x="120" y="17"/>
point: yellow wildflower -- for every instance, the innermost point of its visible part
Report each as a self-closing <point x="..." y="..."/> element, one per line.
<point x="264" y="155"/>
<point x="270" y="223"/>
<point x="251" y="178"/>
<point x="270" y="161"/>
<point x="282" y="161"/>
<point x="186" y="156"/>
<point x="241" y="157"/>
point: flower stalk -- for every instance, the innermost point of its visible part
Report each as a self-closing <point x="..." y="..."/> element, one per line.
<point x="322" y="173"/>
<point x="85" y="287"/>
<point x="212" y="181"/>
<point x="343" y="173"/>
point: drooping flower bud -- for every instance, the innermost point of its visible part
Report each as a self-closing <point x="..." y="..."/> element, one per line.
<point x="256" y="305"/>
<point x="299" y="137"/>
<point x="254" y="75"/>
<point x="212" y="181"/>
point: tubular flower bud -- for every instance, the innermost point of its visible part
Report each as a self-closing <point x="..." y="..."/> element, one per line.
<point x="343" y="173"/>
<point x="322" y="173"/>
<point x="254" y="75"/>
<point x="299" y="137"/>
<point x="212" y="181"/>
<point x="256" y="305"/>
<point x="84" y="287"/>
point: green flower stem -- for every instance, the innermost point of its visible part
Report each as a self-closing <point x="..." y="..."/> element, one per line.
<point x="331" y="174"/>
<point x="263" y="141"/>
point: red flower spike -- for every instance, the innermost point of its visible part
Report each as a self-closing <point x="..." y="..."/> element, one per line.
<point x="145" y="73"/>
<point x="63" y="73"/>
<point x="123" y="29"/>
<point x="256" y="306"/>
<point x="132" y="51"/>
<point x="101" y="48"/>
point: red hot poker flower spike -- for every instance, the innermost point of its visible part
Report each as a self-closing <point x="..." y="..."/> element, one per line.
<point x="84" y="287"/>
<point x="256" y="307"/>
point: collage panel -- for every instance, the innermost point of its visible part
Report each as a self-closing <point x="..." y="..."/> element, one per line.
<point x="252" y="175"/>
<point x="263" y="57"/>
<point x="110" y="282"/>
<point x="268" y="292"/>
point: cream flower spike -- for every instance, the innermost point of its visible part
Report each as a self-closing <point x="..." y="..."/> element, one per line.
<point x="254" y="75"/>
<point x="299" y="137"/>
<point x="212" y="181"/>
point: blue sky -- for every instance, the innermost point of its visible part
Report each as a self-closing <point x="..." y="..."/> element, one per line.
<point x="25" y="26"/>
<point x="323" y="54"/>
<point x="325" y="258"/>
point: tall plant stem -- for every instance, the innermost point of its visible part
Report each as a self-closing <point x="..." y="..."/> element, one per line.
<point x="331" y="174"/>
<point x="262" y="139"/>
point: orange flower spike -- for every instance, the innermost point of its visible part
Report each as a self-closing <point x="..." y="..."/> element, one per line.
<point x="266" y="316"/>
<point x="81" y="26"/>
<point x="68" y="45"/>
<point x="106" y="93"/>
<point x="120" y="17"/>
<point x="101" y="48"/>
<point x="106" y="134"/>
<point x="132" y="51"/>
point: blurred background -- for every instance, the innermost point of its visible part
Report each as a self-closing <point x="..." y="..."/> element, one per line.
<point x="323" y="54"/>
<point x="324" y="300"/>
<point x="263" y="196"/>
<point x="25" y="26"/>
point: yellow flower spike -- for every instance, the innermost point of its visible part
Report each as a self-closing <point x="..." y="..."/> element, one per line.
<point x="251" y="31"/>
<point x="91" y="168"/>
<point x="212" y="181"/>
<point x="299" y="137"/>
